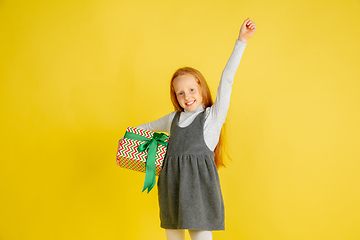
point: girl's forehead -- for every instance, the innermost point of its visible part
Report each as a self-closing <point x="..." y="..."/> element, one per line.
<point x="186" y="79"/>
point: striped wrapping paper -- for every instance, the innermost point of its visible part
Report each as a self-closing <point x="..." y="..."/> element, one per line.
<point x="129" y="157"/>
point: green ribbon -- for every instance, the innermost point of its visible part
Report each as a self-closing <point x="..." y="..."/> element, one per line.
<point x="150" y="144"/>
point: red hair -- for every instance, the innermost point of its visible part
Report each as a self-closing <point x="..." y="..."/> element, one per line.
<point x="219" y="150"/>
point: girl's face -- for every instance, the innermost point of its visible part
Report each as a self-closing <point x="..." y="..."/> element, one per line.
<point x="187" y="92"/>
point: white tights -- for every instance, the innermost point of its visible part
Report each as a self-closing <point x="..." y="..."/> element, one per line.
<point x="172" y="234"/>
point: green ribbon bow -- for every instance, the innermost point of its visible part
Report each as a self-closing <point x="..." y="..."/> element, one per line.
<point x="150" y="144"/>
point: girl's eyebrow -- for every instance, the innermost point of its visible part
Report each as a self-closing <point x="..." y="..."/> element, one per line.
<point x="192" y="86"/>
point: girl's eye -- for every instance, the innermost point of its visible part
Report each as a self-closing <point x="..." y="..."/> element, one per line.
<point x="180" y="94"/>
<point x="192" y="90"/>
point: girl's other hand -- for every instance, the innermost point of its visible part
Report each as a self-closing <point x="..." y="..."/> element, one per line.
<point x="247" y="30"/>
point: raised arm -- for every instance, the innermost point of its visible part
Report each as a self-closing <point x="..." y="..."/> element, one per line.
<point x="219" y="110"/>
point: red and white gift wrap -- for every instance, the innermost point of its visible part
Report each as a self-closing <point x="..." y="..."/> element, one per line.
<point x="129" y="156"/>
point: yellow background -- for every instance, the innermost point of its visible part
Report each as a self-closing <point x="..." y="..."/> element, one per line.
<point x="75" y="74"/>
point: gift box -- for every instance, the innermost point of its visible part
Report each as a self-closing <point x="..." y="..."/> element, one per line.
<point x="143" y="151"/>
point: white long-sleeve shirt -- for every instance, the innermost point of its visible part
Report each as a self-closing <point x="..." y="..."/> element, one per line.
<point x="216" y="114"/>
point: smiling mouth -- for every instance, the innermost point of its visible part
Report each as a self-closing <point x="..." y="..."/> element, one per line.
<point x="190" y="103"/>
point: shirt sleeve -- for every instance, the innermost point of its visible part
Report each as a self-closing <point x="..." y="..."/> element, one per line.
<point x="216" y="114"/>
<point x="221" y="105"/>
<point x="161" y="125"/>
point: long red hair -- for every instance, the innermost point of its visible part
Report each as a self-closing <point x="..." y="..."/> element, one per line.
<point x="220" y="149"/>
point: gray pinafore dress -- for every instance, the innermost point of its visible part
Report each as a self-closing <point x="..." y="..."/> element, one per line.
<point x="188" y="186"/>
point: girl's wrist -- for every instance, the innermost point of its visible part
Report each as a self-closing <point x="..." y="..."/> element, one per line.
<point x="242" y="39"/>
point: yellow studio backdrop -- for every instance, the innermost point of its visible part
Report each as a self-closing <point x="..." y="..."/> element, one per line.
<point x="75" y="74"/>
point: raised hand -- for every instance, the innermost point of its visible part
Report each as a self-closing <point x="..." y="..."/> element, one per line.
<point x="247" y="30"/>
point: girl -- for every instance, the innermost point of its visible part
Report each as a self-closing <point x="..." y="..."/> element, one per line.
<point x="188" y="186"/>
